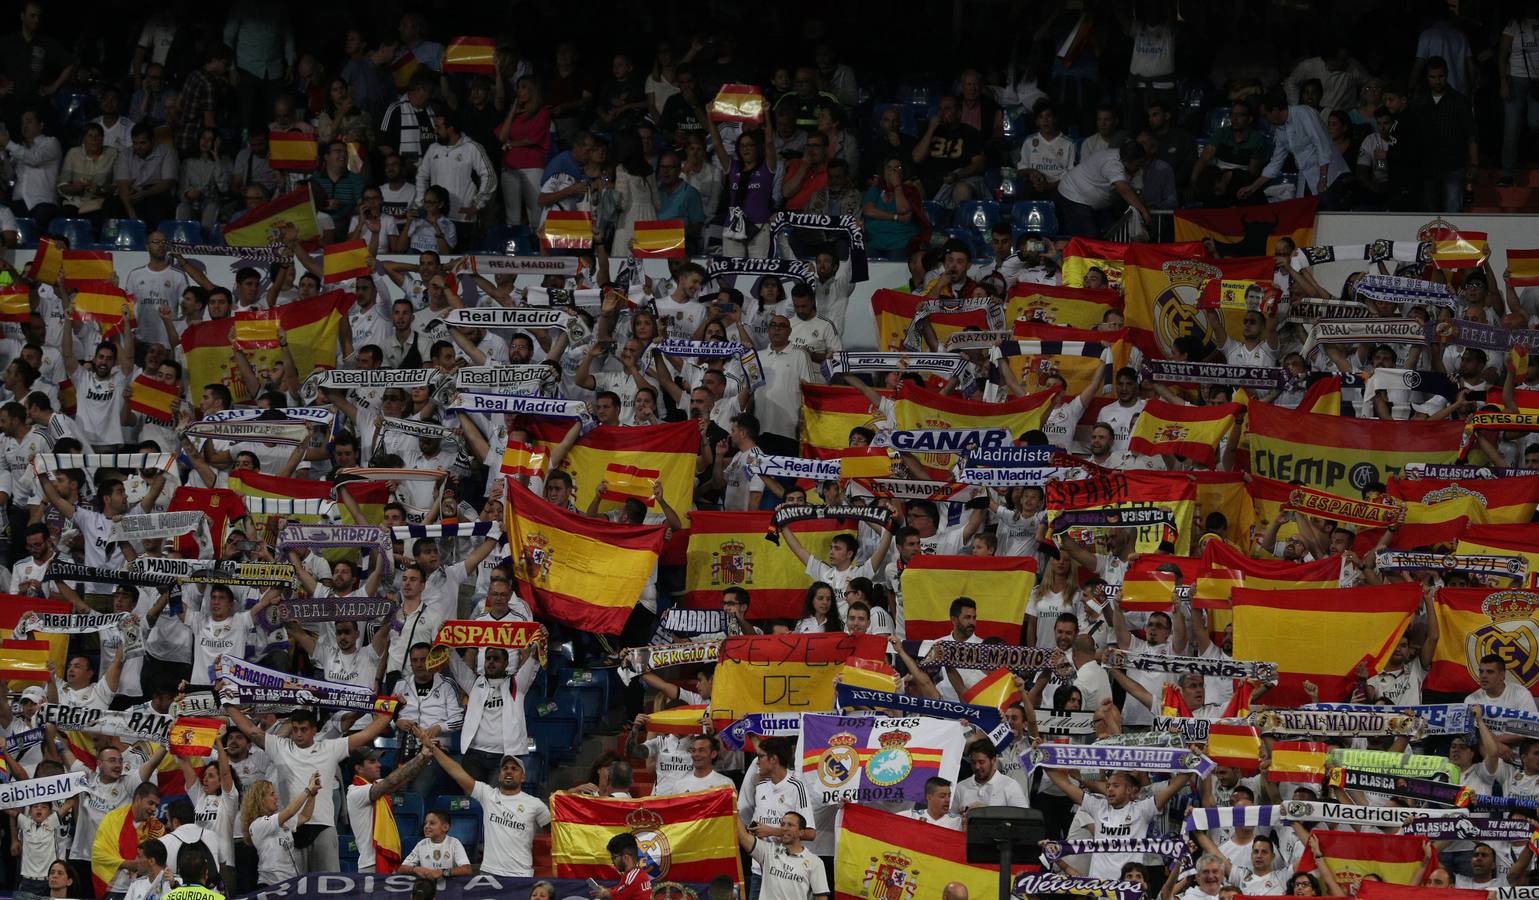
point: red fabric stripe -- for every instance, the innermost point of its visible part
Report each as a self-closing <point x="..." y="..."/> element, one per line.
<point x="1372" y="599"/>
<point x="672" y="437"/>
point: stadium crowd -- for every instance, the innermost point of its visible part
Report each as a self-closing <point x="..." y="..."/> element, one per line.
<point x="404" y="725"/>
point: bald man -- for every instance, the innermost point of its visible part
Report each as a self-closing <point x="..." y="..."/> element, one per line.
<point x="1089" y="675"/>
<point x="956" y="890"/>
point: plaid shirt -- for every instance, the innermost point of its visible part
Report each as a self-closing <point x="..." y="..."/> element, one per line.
<point x="198" y="96"/>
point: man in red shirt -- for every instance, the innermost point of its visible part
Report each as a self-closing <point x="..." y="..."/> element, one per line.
<point x="635" y="883"/>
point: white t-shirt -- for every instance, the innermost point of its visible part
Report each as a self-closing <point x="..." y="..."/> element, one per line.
<point x="445" y="854"/>
<point x="509" y="823"/>
<point x="1091" y="182"/>
<point x="274" y="842"/>
<point x="690" y="783"/>
<point x="39" y="844"/>
<point x="1053" y="157"/>
<point x="1513" y="696"/>
<point x="360" y="815"/>
<point x="1402" y="688"/>
<point x="217" y="638"/>
<point x="671" y="760"/>
<point x="296" y="764"/>
<point x="1132" y="820"/>
<point x="1001" y="790"/>
<point x="96" y="404"/>
<point x="98" y="800"/>
<point x="949" y="820"/>
<point x="786" y="875"/>
<point x="1237" y="354"/>
<point x="818" y="570"/>
<point x="741" y="484"/>
<point x="1121" y="419"/>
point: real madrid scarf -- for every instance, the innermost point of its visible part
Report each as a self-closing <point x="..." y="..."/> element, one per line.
<point x="876" y="516"/>
<point x="1404" y="291"/>
<point x="1311" y="309"/>
<point x="156" y="526"/>
<point x="1372" y="331"/>
<point x="1336" y="724"/>
<point x="246" y="574"/>
<point x="996" y="476"/>
<point x="736" y="735"/>
<point x="1167" y="371"/>
<point x="252" y="683"/>
<point x="793" y="467"/>
<point x="478" y="529"/>
<point x="635" y="661"/>
<point x="505" y="317"/>
<point x="494" y="379"/>
<point x="1473" y="563"/>
<point x="524" y="265"/>
<point x="129" y="725"/>
<point x="1469" y="333"/>
<point x="1170" y="848"/>
<point x="946" y="654"/>
<point x="853" y="232"/>
<point x="373" y="538"/>
<point x="1264" y="672"/>
<point x="1206" y="818"/>
<point x="698" y="349"/>
<point x="1121" y="517"/>
<point x="1427" y="789"/>
<point x="1416" y="765"/>
<point x="722" y="266"/>
<point x="554" y="407"/>
<point x="1451" y="472"/>
<point x="68" y="571"/>
<point x="1350" y="814"/>
<point x="349" y="379"/>
<point x="1062" y="723"/>
<point x="67" y="623"/>
<point x="976" y="340"/>
<point x="1473" y="828"/>
<point x="986" y="719"/>
<point x="430" y="430"/>
<point x="1129" y="759"/>
<point x="1342" y="509"/>
<point x="289" y="508"/>
<point x="1043" y="884"/>
<point x="945" y="365"/>
<point x="336" y="609"/>
<point x="48" y="789"/>
<point x="318" y="416"/>
<point x="54" y="462"/>
<point x="277" y="433"/>
<point x="1377" y="251"/>
<point x="264" y="255"/>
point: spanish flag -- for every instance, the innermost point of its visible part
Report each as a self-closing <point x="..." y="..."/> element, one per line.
<point x="521" y="460"/>
<point x="1194" y="432"/>
<point x="292" y="151"/>
<point x="1375" y="890"/>
<point x="694" y="835"/>
<point x="117" y="842"/>
<point x="1224" y="492"/>
<point x="728" y="549"/>
<point x="192" y="736"/>
<point x="1173" y="702"/>
<point x="585" y="573"/>
<point x="892" y="857"/>
<point x="1066" y="307"/>
<point x="15" y="303"/>
<point x="829" y="413"/>
<point x="667" y="450"/>
<point x="1298" y="761"/>
<point x="865" y="462"/>
<point x="84" y="266"/>
<point x="102" y="302"/>
<point x="784" y="672"/>
<point x="921" y="408"/>
<point x="678" y="720"/>
<point x="1321" y="636"/>
<point x="1340" y="455"/>
<point x="869" y="674"/>
<point x="1455" y="249"/>
<point x="1477" y="621"/>
<point x="894" y="313"/>
<point x="1485" y="501"/>
<point x="998" y="690"/>
<point x="1081" y="255"/>
<point x="1069" y="352"/>
<point x="738" y="103"/>
<point x="154" y="399"/>
<point x="257" y="227"/>
<point x="1395" y="858"/>
<point x="403" y="68"/>
<point x="1323" y="397"/>
<point x="23" y="660"/>
<point x="1251" y="230"/>
<point x="1164" y="293"/>
<point x="659" y="239"/>
<point x="1238" y="746"/>
<point x="1149" y="585"/>
<point x="1229" y="564"/>
<point x="47" y="261"/>
<point x="1523" y="266"/>
<point x="564" y="230"/>
<point x="260" y="484"/>
<point x="344" y="261"/>
<point x="1000" y="585"/>
<point x="470" y="55"/>
<point x="311" y="325"/>
<point x="1175" y="492"/>
<point x="387" y="836"/>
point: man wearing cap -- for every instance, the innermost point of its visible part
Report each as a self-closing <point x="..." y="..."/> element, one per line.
<point x="366" y="792"/>
<point x="12" y="724"/>
<point x="510" y="818"/>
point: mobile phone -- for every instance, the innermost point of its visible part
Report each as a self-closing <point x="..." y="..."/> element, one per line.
<point x="593" y="885"/>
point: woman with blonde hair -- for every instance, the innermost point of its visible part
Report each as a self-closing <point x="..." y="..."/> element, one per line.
<point x="271" y="830"/>
<point x="1056" y="593"/>
<point x="525" y="136"/>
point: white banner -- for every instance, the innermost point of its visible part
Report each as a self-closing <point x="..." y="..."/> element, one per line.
<point x="42" y="790"/>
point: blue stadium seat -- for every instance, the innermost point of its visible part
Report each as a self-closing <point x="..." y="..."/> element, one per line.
<point x="1035" y="215"/>
<point x="464" y="818"/>
<point x="409" y="826"/>
<point x="408" y="803"/>
<point x="510" y="240"/>
<point x="973" y="239"/>
<point x="938" y="215"/>
<point x="558" y="731"/>
<point x="979" y="215"/>
<point x="77" y="231"/>
<point x="124" y="234"/>
<point x="347" y="850"/>
<point x="26" y="233"/>
<point x="536" y="771"/>
<point x="181" y="231"/>
<point x="586" y="699"/>
<point x="75" y="106"/>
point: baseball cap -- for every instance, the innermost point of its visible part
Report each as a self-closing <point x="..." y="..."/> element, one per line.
<point x="364" y="754"/>
<point x="515" y="759"/>
<point x="34" y="694"/>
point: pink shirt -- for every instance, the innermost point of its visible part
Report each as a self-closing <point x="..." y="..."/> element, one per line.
<point x="534" y="128"/>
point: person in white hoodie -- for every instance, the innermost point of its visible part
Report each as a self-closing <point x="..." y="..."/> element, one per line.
<point x="494" y="708"/>
<point x="460" y="166"/>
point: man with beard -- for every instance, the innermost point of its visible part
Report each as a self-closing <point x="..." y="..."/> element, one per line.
<point x="98" y="385"/>
<point x="510" y="818"/>
<point x="157" y="286"/>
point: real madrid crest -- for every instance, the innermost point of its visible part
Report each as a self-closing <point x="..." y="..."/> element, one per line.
<point x="840" y="761"/>
<point x="656" y="852"/>
<point x="1512" y="635"/>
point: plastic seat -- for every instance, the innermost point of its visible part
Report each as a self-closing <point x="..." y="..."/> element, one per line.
<point x="979" y="215"/>
<point x="347" y="851"/>
<point x="77" y="231"/>
<point x="973" y="240"/>
<point x="510" y="240"/>
<point x="75" y="106"/>
<point x="124" y="234"/>
<point x="1035" y="215"/>
<point x="181" y="231"/>
<point x="407" y="803"/>
<point x="26" y="233"/>
<point x="409" y="826"/>
<point x="464" y="818"/>
<point x="939" y="216"/>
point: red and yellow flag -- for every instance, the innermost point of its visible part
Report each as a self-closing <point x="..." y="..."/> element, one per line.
<point x="1060" y="305"/>
<point x="869" y="674"/>
<point x="1476" y="622"/>
<point x="998" y="690"/>
<point x="583" y="572"/>
<point x="222" y="506"/>
<point x="738" y="103"/>
<point x="292" y="151"/>
<point x="249" y="483"/>
<point x="1484" y="501"/>
<point x="521" y="460"/>
<point x="885" y="855"/>
<point x="193" y="736"/>
<point x="919" y="408"/>
<point x="257" y="228"/>
<point x="1149" y="585"/>
<point x="1394" y="858"/>
<point x="1502" y="540"/>
<point x="784" y="672"/>
<point x="84" y="266"/>
<point x="154" y="399"/>
<point x="402" y="68"/>
<point x="678" y="720"/>
<point x="311" y="326"/>
<point x="659" y="239"/>
<point x="102" y="302"/>
<point x="1456" y="249"/>
<point x="344" y="261"/>
<point x="14" y="606"/>
<point x="1298" y="761"/>
<point x="865" y="462"/>
<point x="1081" y="255"/>
<point x="47" y="261"/>
<point x="999" y="584"/>
<point x="894" y="313"/>
<point x="1321" y="636"/>
<point x="15" y="303"/>
<point x="1523" y="268"/>
<point x="667" y="450"/>
<point x="23" y="660"/>
<point x="1339" y="455"/>
<point x="563" y="230"/>
<point x="117" y="842"/>
<point x="1238" y="746"/>
<point x="1190" y="431"/>
<point x="829" y="413"/>
<point x="1241" y="285"/>
<point x="1251" y="230"/>
<point x="470" y="55"/>
<point x="1070" y="353"/>
<point x="1174" y="492"/>
<point x="728" y="549"/>
<point x="1164" y="291"/>
<point x="695" y="835"/>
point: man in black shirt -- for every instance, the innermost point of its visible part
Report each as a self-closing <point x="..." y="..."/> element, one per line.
<point x="35" y="64"/>
<point x="950" y="157"/>
<point x="683" y="114"/>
